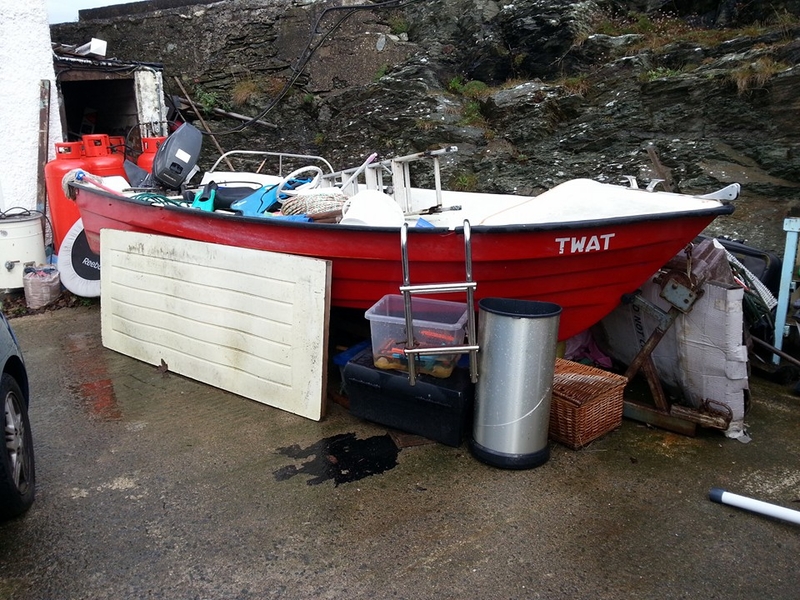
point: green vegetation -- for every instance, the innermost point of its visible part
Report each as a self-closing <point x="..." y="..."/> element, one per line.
<point x="786" y="21"/>
<point x="658" y="31"/>
<point x="658" y="73"/>
<point x="464" y="182"/>
<point x="470" y="89"/>
<point x="518" y="59"/>
<point x="755" y="74"/>
<point x="381" y="72"/>
<point x="456" y="84"/>
<point x="475" y="89"/>
<point x="244" y="91"/>
<point x="577" y="85"/>
<point x="398" y="25"/>
<point x="208" y="101"/>
<point x="273" y="86"/>
<point x="472" y="114"/>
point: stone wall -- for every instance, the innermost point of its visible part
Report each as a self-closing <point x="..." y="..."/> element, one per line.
<point x="25" y="61"/>
<point x="532" y="92"/>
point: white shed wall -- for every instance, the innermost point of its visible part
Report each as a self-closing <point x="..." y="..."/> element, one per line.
<point x="26" y="58"/>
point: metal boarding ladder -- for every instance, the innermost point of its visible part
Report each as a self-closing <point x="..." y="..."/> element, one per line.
<point x="410" y="349"/>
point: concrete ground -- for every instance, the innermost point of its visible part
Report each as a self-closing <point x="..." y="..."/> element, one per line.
<point x="151" y="485"/>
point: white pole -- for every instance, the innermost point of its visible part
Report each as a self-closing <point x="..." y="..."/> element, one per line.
<point x="764" y="508"/>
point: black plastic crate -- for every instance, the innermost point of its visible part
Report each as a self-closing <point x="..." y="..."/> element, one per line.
<point x="438" y="409"/>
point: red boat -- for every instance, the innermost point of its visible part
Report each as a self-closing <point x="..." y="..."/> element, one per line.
<point x="582" y="244"/>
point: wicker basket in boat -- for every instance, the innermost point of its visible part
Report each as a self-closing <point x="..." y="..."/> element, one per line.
<point x="587" y="403"/>
<point x="313" y="202"/>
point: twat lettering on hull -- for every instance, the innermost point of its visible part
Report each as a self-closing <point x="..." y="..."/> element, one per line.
<point x="585" y="243"/>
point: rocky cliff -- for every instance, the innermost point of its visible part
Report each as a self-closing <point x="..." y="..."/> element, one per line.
<point x="533" y="92"/>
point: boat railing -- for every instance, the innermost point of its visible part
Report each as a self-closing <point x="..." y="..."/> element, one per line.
<point x="398" y="170"/>
<point x="264" y="156"/>
<point x="346" y="179"/>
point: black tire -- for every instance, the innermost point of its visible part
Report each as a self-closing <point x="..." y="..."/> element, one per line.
<point x="17" y="469"/>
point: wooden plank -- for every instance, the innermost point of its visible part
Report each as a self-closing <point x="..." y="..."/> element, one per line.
<point x="44" y="143"/>
<point x="151" y="112"/>
<point x="251" y="322"/>
<point x="704" y="419"/>
<point x="653" y="416"/>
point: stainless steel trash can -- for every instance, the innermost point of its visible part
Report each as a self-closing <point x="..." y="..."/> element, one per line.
<point x="516" y="361"/>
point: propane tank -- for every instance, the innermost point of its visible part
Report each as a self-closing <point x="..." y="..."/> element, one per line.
<point x="63" y="211"/>
<point x="150" y="146"/>
<point x="100" y="160"/>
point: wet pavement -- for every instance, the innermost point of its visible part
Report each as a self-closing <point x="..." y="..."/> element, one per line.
<point x="151" y="485"/>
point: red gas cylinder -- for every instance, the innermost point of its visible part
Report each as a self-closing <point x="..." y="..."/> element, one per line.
<point x="63" y="211"/>
<point x="100" y="160"/>
<point x="150" y="146"/>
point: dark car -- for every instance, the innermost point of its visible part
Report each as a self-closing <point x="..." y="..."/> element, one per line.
<point x="17" y="472"/>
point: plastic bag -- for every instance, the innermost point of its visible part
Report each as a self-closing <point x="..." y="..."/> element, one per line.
<point x="42" y="285"/>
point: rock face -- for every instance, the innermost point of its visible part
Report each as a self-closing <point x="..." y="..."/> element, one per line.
<point x="533" y="92"/>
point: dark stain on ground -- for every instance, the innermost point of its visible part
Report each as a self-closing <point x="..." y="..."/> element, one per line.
<point x="342" y="458"/>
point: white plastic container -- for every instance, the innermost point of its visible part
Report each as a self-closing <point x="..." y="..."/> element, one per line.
<point x="21" y="245"/>
<point x="436" y="323"/>
<point x="372" y="208"/>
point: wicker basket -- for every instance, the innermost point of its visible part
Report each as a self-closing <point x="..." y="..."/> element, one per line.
<point x="587" y="403"/>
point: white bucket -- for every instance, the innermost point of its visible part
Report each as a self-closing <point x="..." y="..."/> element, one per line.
<point x="21" y="245"/>
<point x="372" y="208"/>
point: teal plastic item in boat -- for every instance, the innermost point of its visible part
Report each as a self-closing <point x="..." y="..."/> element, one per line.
<point x="259" y="202"/>
<point x="204" y="199"/>
<point x="265" y="199"/>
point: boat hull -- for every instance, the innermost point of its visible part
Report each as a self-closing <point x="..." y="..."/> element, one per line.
<point x="585" y="267"/>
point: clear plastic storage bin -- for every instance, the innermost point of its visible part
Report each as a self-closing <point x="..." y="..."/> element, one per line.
<point x="436" y="323"/>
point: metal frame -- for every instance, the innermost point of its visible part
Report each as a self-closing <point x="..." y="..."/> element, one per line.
<point x="791" y="226"/>
<point x="279" y="155"/>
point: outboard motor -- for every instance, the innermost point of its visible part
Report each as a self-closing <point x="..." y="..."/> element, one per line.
<point x="176" y="158"/>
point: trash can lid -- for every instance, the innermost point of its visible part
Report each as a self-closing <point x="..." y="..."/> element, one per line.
<point x="511" y="307"/>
